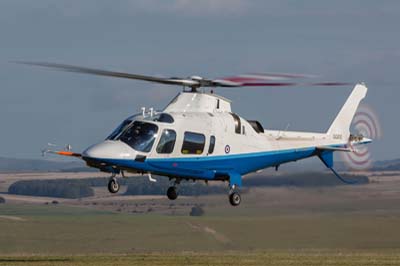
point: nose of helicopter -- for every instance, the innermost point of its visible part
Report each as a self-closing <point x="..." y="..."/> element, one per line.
<point x="109" y="150"/>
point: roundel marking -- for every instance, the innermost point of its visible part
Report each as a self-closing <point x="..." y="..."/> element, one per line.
<point x="227" y="149"/>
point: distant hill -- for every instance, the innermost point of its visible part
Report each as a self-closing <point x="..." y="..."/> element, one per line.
<point x="41" y="165"/>
<point x="315" y="164"/>
<point x="388" y="165"/>
<point x="301" y="179"/>
<point x="140" y="185"/>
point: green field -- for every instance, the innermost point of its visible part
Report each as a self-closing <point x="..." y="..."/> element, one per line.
<point x="344" y="225"/>
<point x="253" y="258"/>
<point x="61" y="235"/>
<point x="54" y="229"/>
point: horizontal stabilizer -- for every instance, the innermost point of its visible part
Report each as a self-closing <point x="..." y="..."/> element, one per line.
<point x="330" y="148"/>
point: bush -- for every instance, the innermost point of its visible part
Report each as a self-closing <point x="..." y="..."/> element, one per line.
<point x="71" y="189"/>
<point x="142" y="186"/>
<point x="196" y="211"/>
<point x="305" y="179"/>
<point x="2" y="200"/>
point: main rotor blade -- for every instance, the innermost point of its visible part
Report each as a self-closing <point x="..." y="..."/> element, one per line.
<point x="270" y="80"/>
<point x="267" y="76"/>
<point x="101" y="72"/>
<point x="227" y="83"/>
<point x="288" y="84"/>
<point x="282" y="75"/>
<point x="247" y="80"/>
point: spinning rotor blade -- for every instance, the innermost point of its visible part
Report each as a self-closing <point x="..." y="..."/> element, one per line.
<point x="270" y="80"/>
<point x="225" y="83"/>
<point x="266" y="76"/>
<point x="100" y="72"/>
<point x="248" y="80"/>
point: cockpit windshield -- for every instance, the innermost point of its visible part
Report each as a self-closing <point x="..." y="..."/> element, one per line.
<point x="119" y="129"/>
<point x="158" y="117"/>
<point x="139" y="135"/>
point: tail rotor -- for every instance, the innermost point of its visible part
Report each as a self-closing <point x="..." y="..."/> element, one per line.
<point x="365" y="124"/>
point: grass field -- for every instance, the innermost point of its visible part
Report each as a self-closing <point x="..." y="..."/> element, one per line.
<point x="347" y="225"/>
<point x="254" y="258"/>
<point x="62" y="235"/>
<point x="49" y="229"/>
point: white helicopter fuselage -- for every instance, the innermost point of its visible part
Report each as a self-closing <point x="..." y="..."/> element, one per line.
<point x="206" y="140"/>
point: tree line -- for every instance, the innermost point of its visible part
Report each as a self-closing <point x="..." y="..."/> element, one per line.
<point x="140" y="185"/>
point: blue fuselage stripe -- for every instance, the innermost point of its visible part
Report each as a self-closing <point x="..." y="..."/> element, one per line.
<point x="208" y="166"/>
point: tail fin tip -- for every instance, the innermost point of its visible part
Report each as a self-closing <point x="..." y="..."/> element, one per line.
<point x="340" y="127"/>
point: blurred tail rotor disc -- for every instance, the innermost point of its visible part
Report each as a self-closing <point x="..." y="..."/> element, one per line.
<point x="365" y="123"/>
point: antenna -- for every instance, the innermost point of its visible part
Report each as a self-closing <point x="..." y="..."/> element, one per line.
<point x="280" y="131"/>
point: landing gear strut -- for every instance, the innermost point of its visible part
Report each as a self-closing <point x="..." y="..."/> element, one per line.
<point x="113" y="185"/>
<point x="234" y="196"/>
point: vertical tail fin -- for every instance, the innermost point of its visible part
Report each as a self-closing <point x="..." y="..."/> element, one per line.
<point x="340" y="127"/>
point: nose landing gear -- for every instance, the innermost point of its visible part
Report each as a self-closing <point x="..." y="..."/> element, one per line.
<point x="113" y="185"/>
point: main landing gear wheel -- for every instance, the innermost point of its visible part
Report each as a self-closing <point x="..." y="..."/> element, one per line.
<point x="113" y="185"/>
<point x="172" y="194"/>
<point x="234" y="198"/>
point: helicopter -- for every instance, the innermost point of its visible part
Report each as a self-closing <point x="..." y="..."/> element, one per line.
<point x="197" y="136"/>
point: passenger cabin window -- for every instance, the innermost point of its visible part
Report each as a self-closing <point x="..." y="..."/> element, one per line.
<point x="236" y="119"/>
<point x="167" y="141"/>
<point x="212" y="145"/>
<point x="193" y="143"/>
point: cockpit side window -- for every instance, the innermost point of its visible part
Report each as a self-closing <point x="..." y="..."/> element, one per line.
<point x="193" y="143"/>
<point x="140" y="136"/>
<point x="167" y="141"/>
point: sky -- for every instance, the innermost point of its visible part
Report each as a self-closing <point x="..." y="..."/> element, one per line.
<point x="349" y="41"/>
